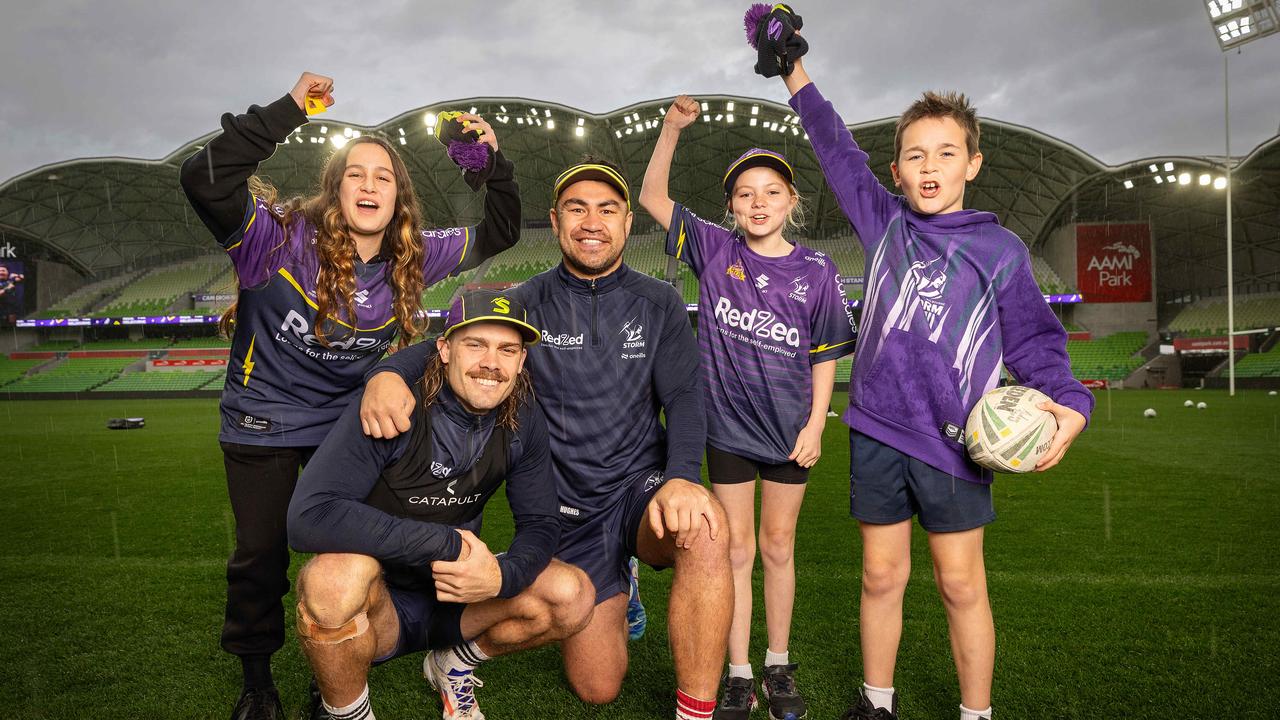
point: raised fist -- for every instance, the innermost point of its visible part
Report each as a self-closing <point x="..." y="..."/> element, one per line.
<point x="682" y="113"/>
<point x="315" y="86"/>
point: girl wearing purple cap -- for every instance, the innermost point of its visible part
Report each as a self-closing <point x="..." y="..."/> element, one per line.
<point x="772" y="322"/>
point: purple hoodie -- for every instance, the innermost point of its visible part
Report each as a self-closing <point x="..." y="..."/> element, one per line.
<point x="949" y="299"/>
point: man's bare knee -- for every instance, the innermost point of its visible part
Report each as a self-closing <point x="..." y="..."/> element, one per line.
<point x="569" y="596"/>
<point x="334" y="587"/>
<point x="598" y="688"/>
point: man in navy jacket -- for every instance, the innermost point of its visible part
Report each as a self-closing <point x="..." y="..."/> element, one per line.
<point x="616" y="354"/>
<point x="399" y="568"/>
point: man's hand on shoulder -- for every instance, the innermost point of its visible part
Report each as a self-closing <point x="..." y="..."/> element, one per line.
<point x="386" y="406"/>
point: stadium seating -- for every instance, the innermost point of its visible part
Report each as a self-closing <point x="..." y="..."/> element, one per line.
<point x="11" y="370"/>
<point x="1265" y="364"/>
<point x="1047" y="279"/>
<point x="440" y="295"/>
<point x="53" y="346"/>
<point x="1108" y="358"/>
<point x="142" y="344"/>
<point x="77" y="375"/>
<point x="163" y="381"/>
<point x="216" y="341"/>
<point x="79" y="301"/>
<point x="1209" y="316"/>
<point x="156" y="291"/>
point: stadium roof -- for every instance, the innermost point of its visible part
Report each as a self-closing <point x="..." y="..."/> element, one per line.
<point x="101" y="215"/>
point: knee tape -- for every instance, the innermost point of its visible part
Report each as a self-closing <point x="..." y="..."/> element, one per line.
<point x="317" y="634"/>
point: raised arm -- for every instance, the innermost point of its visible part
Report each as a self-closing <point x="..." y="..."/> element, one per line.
<point x="215" y="178"/>
<point x="655" y="196"/>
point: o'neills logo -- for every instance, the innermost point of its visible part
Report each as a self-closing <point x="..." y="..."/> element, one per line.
<point x="1114" y="264"/>
<point x="563" y="340"/>
<point x="757" y="322"/>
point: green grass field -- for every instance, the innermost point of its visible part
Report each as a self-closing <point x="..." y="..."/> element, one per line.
<point x="1139" y="580"/>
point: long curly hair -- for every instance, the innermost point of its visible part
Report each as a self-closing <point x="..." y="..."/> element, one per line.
<point x="508" y="412"/>
<point x="336" y="249"/>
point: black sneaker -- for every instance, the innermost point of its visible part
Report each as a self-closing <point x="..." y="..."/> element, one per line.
<point x="737" y="699"/>
<point x="779" y="685"/>
<point x="864" y="710"/>
<point x="315" y="705"/>
<point x="258" y="704"/>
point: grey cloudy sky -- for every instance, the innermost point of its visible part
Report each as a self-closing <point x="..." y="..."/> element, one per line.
<point x="1121" y="79"/>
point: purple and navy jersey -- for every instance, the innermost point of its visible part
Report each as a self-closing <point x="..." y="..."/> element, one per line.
<point x="762" y="323"/>
<point x="950" y="299"/>
<point x="283" y="387"/>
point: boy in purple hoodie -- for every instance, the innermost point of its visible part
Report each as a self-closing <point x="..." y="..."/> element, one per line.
<point x="950" y="299"/>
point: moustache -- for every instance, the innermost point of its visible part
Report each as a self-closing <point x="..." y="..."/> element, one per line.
<point x="495" y="375"/>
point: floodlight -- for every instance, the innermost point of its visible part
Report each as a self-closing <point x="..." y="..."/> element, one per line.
<point x="729" y="106"/>
<point x="1128" y="184"/>
<point x="1168" y="167"/>
<point x="1159" y="180"/>
<point x="1219" y="183"/>
<point x="1184" y="178"/>
<point x="1205" y="179"/>
<point x="551" y="124"/>
<point x="578" y="132"/>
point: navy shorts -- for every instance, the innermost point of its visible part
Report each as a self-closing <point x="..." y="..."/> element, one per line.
<point x="887" y="486"/>
<point x="602" y="545"/>
<point x="426" y="623"/>
<point x="726" y="468"/>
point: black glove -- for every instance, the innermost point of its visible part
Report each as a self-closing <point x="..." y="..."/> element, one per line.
<point x="775" y="39"/>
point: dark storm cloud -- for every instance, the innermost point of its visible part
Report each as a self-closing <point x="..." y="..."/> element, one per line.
<point x="1121" y="80"/>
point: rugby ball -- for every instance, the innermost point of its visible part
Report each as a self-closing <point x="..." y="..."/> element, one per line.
<point x="1188" y="404"/>
<point x="1149" y="413"/>
<point x="1006" y="432"/>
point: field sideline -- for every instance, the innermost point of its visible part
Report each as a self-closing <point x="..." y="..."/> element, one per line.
<point x="1139" y="580"/>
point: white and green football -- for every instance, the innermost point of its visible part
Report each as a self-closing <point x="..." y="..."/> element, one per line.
<point x="1006" y="432"/>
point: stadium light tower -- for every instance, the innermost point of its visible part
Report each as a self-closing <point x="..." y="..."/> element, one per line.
<point x="1235" y="23"/>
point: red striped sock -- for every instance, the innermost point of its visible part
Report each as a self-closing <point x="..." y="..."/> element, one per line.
<point x="689" y="707"/>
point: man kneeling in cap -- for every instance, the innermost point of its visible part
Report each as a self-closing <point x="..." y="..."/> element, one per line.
<point x="399" y="568"/>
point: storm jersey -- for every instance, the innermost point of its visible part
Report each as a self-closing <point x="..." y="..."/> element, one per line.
<point x="762" y="323"/>
<point x="950" y="299"/>
<point x="283" y="386"/>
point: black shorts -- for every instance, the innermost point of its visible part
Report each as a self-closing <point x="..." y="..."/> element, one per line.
<point x="603" y="543"/>
<point x="887" y="486"/>
<point x="426" y="623"/>
<point x="726" y="468"/>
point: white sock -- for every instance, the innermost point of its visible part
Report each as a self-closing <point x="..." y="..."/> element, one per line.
<point x="358" y="710"/>
<point x="773" y="658"/>
<point x="880" y="697"/>
<point x="467" y="656"/>
<point x="740" y="671"/>
<point x="967" y="714"/>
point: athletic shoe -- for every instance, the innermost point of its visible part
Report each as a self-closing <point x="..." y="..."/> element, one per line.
<point x="779" y="685"/>
<point x="315" y="705"/>
<point x="864" y="710"/>
<point x="737" y="699"/>
<point x="637" y="619"/>
<point x="832" y="413"/>
<point x="457" y="687"/>
<point x="258" y="704"/>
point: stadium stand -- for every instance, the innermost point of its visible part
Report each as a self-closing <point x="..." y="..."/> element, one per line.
<point x="80" y="300"/>
<point x="1262" y="364"/>
<point x="73" y="375"/>
<point x="1108" y="358"/>
<point x="1209" y="315"/>
<point x="844" y="369"/>
<point x="163" y="381"/>
<point x="217" y="342"/>
<point x="54" y="346"/>
<point x="12" y="370"/>
<point x="1047" y="279"/>
<point x="440" y="295"/>
<point x="143" y="344"/>
<point x="153" y="293"/>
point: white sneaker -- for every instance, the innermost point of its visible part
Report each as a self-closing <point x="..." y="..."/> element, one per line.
<point x="456" y="687"/>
